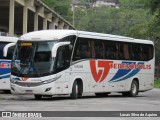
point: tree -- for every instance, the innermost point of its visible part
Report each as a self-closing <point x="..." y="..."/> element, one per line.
<point x="154" y="26"/>
<point x="154" y="6"/>
<point x="113" y="21"/>
<point x="62" y="7"/>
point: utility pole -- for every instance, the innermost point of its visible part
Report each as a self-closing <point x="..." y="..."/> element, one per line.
<point x="73" y="13"/>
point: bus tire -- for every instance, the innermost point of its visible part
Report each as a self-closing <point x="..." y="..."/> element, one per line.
<point x="79" y="95"/>
<point x="74" y="94"/>
<point x="133" y="90"/>
<point x="38" y="97"/>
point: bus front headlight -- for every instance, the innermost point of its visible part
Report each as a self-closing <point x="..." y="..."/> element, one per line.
<point x="12" y="81"/>
<point x="50" y="80"/>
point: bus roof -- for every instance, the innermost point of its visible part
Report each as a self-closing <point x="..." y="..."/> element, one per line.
<point x="8" y="39"/>
<point x="59" y="34"/>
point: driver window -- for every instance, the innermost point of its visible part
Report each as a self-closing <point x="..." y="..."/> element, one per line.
<point x="63" y="58"/>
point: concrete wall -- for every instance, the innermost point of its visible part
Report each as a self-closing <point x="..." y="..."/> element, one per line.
<point x="21" y="16"/>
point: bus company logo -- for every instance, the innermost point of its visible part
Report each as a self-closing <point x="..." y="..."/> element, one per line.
<point x="103" y="66"/>
<point x="24" y="79"/>
<point x="20" y="79"/>
<point x="5" y="65"/>
<point x="125" y="69"/>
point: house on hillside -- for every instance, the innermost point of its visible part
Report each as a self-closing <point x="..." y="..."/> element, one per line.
<point x="94" y="3"/>
<point x="77" y="4"/>
<point x="110" y="3"/>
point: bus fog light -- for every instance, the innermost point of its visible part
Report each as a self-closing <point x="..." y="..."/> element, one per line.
<point x="48" y="89"/>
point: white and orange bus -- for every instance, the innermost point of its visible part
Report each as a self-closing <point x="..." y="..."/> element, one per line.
<point x="59" y="62"/>
<point x="7" y="45"/>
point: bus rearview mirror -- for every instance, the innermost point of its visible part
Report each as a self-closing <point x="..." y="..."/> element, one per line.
<point x="5" y="49"/>
<point x="56" y="46"/>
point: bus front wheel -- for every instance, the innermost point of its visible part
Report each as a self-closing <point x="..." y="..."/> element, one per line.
<point x="74" y="94"/>
<point x="76" y="91"/>
<point x="133" y="90"/>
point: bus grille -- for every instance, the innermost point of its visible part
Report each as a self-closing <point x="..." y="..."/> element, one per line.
<point x="28" y="84"/>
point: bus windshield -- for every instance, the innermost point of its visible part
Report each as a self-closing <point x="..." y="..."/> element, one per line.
<point x="33" y="59"/>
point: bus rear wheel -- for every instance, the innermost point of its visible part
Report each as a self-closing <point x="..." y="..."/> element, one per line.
<point x="133" y="90"/>
<point x="38" y="97"/>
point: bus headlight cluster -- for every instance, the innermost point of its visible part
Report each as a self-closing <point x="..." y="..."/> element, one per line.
<point x="13" y="81"/>
<point x="50" y="80"/>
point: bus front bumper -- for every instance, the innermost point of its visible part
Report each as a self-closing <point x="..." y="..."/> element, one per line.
<point x="46" y="89"/>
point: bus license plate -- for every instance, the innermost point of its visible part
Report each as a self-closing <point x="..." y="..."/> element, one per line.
<point x="29" y="91"/>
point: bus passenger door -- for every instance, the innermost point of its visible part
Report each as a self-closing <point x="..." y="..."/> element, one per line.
<point x="61" y="68"/>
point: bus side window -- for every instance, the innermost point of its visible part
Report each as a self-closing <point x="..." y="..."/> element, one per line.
<point x="82" y="49"/>
<point x="136" y="52"/>
<point x="110" y="52"/>
<point x="133" y="52"/>
<point x="119" y="53"/>
<point x="147" y="52"/>
<point x="144" y="53"/>
<point x="150" y="52"/>
<point x="99" y="49"/>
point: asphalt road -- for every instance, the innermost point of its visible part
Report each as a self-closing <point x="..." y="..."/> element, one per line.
<point x="146" y="101"/>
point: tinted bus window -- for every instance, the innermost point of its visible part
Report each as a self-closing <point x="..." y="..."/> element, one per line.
<point x="102" y="49"/>
<point x="110" y="50"/>
<point x="150" y="52"/>
<point x="82" y="49"/>
<point x="99" y="49"/>
<point x="147" y="52"/>
<point x="120" y="51"/>
<point x="140" y="52"/>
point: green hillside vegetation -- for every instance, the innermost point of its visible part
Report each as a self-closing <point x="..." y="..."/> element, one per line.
<point x="135" y="18"/>
<point x="157" y="83"/>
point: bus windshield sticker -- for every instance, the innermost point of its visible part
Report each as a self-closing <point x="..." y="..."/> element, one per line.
<point x="17" y="63"/>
